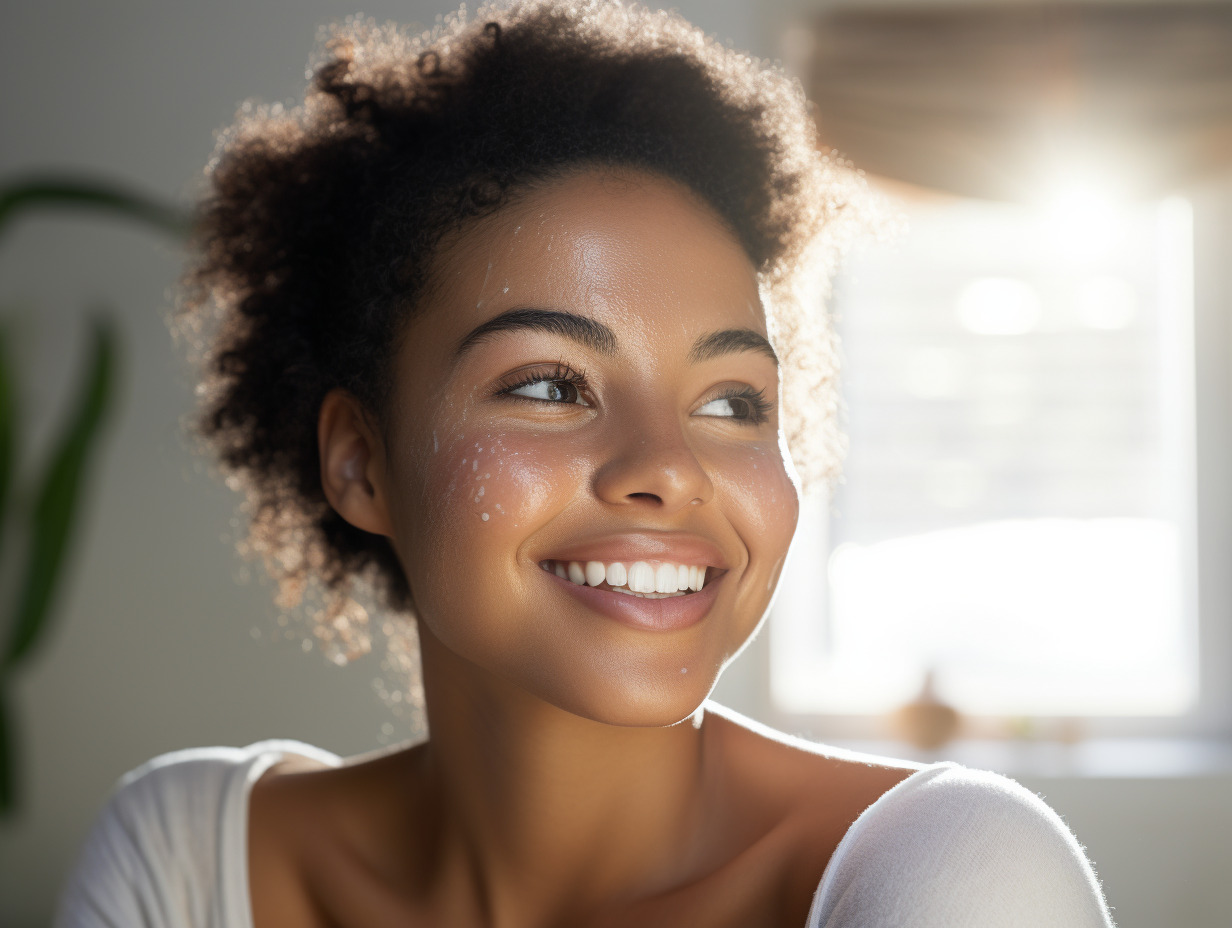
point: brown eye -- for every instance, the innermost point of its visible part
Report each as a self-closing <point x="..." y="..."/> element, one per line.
<point x="732" y="407"/>
<point x="550" y="391"/>
<point x="745" y="405"/>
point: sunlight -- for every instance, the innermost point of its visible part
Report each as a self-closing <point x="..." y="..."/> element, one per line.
<point x="1082" y="211"/>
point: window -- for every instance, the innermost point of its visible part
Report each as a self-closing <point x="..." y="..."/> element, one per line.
<point x="1018" y="521"/>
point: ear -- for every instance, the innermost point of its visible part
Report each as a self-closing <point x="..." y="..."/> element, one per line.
<point x="352" y="458"/>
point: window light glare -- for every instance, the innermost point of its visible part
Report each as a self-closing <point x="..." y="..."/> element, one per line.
<point x="1086" y="606"/>
<point x="1082" y="216"/>
<point x="1106" y="303"/>
<point x="933" y="373"/>
<point x="999" y="306"/>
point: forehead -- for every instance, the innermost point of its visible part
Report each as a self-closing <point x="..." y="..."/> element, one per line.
<point x="634" y="250"/>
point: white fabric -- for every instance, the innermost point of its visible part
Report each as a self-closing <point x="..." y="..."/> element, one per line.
<point x="947" y="847"/>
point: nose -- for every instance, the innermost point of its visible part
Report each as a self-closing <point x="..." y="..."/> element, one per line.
<point x="652" y="465"/>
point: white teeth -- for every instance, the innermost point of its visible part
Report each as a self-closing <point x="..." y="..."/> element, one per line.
<point x="665" y="579"/>
<point x="638" y="579"/>
<point x="617" y="575"/>
<point x="596" y="573"/>
<point x="641" y="577"/>
<point x="648" y="595"/>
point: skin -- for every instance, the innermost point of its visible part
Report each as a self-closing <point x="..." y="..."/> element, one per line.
<point x="572" y="776"/>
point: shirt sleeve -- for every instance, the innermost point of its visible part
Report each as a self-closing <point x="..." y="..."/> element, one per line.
<point x="952" y="847"/>
<point x="150" y="860"/>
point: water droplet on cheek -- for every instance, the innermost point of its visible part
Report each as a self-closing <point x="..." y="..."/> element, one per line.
<point x="684" y="669"/>
<point x="484" y="516"/>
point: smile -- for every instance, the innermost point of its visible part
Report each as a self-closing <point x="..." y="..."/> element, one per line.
<point x="640" y="578"/>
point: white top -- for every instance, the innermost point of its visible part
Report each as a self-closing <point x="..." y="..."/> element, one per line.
<point x="947" y="847"/>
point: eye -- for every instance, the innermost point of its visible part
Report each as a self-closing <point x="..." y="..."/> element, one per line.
<point x="742" y="404"/>
<point x="555" y="384"/>
<point x="549" y="391"/>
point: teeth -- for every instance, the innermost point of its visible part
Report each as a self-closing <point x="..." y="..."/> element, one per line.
<point x="649" y="595"/>
<point x="638" y="579"/>
<point x="641" y="577"/>
<point x="665" y="579"/>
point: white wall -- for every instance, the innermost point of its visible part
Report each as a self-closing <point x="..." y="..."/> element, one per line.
<point x="154" y="647"/>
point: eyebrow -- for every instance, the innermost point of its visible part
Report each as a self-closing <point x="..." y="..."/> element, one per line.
<point x="730" y="341"/>
<point x="598" y="337"/>
<point x="585" y="331"/>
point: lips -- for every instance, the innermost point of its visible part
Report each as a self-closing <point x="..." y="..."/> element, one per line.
<point x="649" y="581"/>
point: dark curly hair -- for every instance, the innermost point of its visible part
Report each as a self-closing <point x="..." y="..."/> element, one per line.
<point x="318" y="231"/>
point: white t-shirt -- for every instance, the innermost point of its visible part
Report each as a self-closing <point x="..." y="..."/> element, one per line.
<point x="948" y="847"/>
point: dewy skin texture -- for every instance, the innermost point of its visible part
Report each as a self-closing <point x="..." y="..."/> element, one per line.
<point x="644" y="435"/>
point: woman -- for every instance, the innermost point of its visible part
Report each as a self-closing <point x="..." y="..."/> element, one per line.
<point x="505" y="313"/>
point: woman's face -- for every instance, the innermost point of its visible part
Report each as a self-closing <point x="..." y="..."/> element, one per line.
<point x="589" y="385"/>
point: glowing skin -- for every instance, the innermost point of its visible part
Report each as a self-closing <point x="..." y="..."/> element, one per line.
<point x="558" y="786"/>
<point x="643" y="460"/>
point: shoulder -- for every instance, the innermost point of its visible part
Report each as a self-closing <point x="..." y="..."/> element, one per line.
<point x="954" y="846"/>
<point x="154" y="856"/>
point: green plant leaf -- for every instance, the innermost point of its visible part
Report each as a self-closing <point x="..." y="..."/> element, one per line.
<point x="56" y="502"/>
<point x="8" y="429"/>
<point x="81" y="193"/>
<point x="8" y="757"/>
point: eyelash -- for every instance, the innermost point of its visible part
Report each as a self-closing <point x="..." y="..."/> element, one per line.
<point x="756" y="399"/>
<point x="563" y="373"/>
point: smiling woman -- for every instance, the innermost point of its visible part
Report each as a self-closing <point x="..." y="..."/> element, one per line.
<point x="508" y="314"/>
<point x="632" y="426"/>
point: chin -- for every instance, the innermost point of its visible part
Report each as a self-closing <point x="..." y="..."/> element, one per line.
<point x="638" y="702"/>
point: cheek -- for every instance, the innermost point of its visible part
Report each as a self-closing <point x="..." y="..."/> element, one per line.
<point x="482" y="492"/>
<point x="762" y="502"/>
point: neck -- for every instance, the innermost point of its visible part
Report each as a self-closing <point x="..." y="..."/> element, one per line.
<point x="548" y="812"/>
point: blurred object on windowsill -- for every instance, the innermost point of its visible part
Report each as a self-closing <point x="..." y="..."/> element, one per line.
<point x="926" y="722"/>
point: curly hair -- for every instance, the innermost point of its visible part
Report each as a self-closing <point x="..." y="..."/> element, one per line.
<point x="317" y="234"/>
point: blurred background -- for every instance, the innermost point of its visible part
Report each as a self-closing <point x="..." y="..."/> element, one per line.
<point x="1036" y="378"/>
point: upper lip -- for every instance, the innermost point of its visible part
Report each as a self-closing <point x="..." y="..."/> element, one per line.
<point x="627" y="547"/>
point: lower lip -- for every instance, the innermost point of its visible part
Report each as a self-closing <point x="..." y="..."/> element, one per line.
<point x="662" y="615"/>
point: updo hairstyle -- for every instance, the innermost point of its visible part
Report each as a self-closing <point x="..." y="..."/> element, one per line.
<point x="318" y="230"/>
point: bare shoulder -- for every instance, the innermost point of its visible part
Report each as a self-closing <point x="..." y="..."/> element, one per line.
<point x="277" y="831"/>
<point x="797" y="801"/>
<point x="807" y="774"/>
<point x="303" y="817"/>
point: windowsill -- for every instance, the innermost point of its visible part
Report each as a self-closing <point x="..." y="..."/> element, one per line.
<point x="1137" y="758"/>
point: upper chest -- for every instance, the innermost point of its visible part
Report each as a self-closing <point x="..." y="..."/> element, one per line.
<point x="308" y="869"/>
<point x="769" y="884"/>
